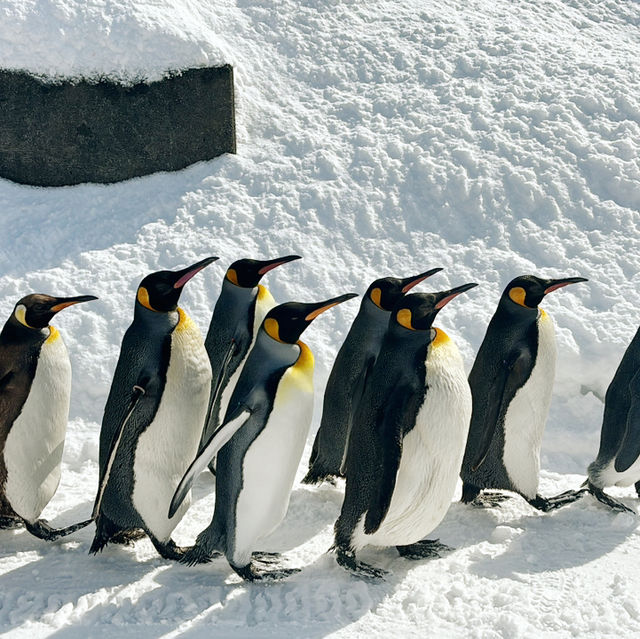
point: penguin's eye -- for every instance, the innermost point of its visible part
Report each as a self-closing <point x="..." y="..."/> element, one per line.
<point x="38" y="308"/>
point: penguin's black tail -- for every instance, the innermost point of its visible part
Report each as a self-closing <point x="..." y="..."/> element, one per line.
<point x="108" y="531"/>
<point x="316" y="475"/>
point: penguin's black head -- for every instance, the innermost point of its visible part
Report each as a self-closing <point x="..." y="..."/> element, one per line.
<point x="36" y="310"/>
<point x="247" y="273"/>
<point x="160" y="291"/>
<point x="527" y="291"/>
<point x="386" y="292"/>
<point x="285" y="323"/>
<point x="417" y="311"/>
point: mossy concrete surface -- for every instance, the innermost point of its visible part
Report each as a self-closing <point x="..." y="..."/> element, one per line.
<point x="55" y="133"/>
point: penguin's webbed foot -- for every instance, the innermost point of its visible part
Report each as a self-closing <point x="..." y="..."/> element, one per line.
<point x="196" y="554"/>
<point x="169" y="549"/>
<point x="347" y="559"/>
<point x="546" y="504"/>
<point x="489" y="500"/>
<point x="316" y="477"/>
<point x="266" y="557"/>
<point x="9" y="523"/>
<point x="424" y="549"/>
<point x="607" y="500"/>
<point x="251" y="573"/>
<point x="41" y="529"/>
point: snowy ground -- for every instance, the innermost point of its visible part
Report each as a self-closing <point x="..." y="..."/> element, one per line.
<point x="489" y="138"/>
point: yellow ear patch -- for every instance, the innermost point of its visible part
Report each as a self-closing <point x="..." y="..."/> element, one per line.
<point x="232" y="276"/>
<point x="517" y="295"/>
<point x="20" y="313"/>
<point x="143" y="298"/>
<point x="376" y="297"/>
<point x="440" y="338"/>
<point x="272" y="328"/>
<point x="404" y="318"/>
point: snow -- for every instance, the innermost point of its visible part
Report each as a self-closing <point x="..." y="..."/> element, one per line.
<point x="380" y="138"/>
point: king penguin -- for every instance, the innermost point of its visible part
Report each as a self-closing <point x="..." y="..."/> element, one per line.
<point x="153" y="417"/>
<point x="511" y="383"/>
<point x="260" y="443"/>
<point x="350" y="371"/>
<point x="407" y="439"/>
<point x="237" y="315"/>
<point x="618" y="460"/>
<point x="35" y="388"/>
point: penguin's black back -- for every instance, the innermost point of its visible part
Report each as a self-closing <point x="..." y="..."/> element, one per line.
<point x="375" y="443"/>
<point x="19" y="351"/>
<point x="618" y="402"/>
<point x="144" y="359"/>
<point x="354" y="360"/>
<point x="508" y="334"/>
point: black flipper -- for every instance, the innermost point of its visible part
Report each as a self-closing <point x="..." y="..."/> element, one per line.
<point x="356" y="398"/>
<point x="630" y="446"/>
<point x="41" y="529"/>
<point x="219" y="438"/>
<point x="511" y="376"/>
<point x="391" y="422"/>
<point x="137" y="392"/>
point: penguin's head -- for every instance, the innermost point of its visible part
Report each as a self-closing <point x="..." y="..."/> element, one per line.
<point x="527" y="291"/>
<point x="417" y="311"/>
<point x="160" y="291"/>
<point x="247" y="273"/>
<point x="36" y="310"/>
<point x="285" y="323"/>
<point x="386" y="292"/>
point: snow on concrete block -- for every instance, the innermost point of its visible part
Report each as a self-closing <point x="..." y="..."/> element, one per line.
<point x="56" y="133"/>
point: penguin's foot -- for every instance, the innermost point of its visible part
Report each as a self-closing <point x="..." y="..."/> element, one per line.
<point x="602" y="497"/>
<point x="168" y="549"/>
<point x="198" y="555"/>
<point x="546" y="504"/>
<point x="347" y="559"/>
<point x="41" y="529"/>
<point x="317" y="477"/>
<point x="489" y="500"/>
<point x="7" y="523"/>
<point x="127" y="537"/>
<point x="266" y="557"/>
<point x="251" y="573"/>
<point x="424" y="549"/>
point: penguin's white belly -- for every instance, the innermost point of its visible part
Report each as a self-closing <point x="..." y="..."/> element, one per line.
<point x="269" y="467"/>
<point x="33" y="450"/>
<point x="527" y="415"/>
<point x="609" y="476"/>
<point x="431" y="456"/>
<point x="170" y="443"/>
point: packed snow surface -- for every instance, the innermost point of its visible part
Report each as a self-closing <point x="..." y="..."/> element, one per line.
<point x="491" y="138"/>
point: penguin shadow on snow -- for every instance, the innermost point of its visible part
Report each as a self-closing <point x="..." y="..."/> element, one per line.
<point x="61" y="573"/>
<point x="568" y="538"/>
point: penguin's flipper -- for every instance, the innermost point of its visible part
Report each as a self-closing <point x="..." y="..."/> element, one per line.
<point x="389" y="454"/>
<point x="630" y="447"/>
<point x="232" y="350"/>
<point x="137" y="392"/>
<point x="512" y="375"/>
<point x="217" y="441"/>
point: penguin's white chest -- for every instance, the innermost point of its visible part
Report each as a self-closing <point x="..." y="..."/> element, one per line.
<point x="33" y="450"/>
<point x="526" y="416"/>
<point x="271" y="461"/>
<point x="170" y="443"/>
<point x="431" y="454"/>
